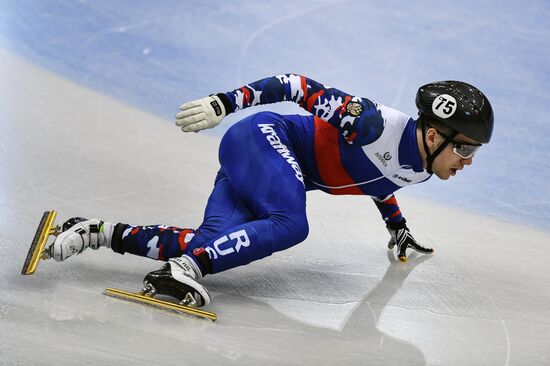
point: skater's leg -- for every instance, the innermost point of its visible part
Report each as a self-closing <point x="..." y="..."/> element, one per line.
<point x="258" y="161"/>
<point x="178" y="278"/>
<point x="154" y="241"/>
<point x="263" y="214"/>
<point x="224" y="210"/>
<point x="261" y="173"/>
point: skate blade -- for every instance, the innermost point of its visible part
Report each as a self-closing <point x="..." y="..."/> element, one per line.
<point x="165" y="305"/>
<point x="45" y="229"/>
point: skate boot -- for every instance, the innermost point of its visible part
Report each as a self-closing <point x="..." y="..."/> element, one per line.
<point x="178" y="279"/>
<point x="78" y="234"/>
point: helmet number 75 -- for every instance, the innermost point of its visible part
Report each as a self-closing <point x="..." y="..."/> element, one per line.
<point x="444" y="106"/>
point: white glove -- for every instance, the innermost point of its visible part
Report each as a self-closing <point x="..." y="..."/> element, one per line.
<point x="200" y="114"/>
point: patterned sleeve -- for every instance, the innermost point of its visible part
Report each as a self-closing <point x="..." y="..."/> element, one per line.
<point x="358" y="119"/>
<point x="389" y="209"/>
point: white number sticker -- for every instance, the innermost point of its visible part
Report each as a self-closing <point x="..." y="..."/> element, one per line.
<point x="444" y="106"/>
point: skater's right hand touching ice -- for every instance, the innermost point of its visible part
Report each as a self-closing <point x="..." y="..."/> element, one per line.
<point x="200" y="114"/>
<point x="403" y="239"/>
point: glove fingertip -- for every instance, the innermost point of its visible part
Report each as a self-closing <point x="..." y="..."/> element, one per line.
<point x="424" y="250"/>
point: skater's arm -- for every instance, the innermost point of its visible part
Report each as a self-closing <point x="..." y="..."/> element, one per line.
<point x="358" y="119"/>
<point x="389" y="209"/>
<point x="401" y="237"/>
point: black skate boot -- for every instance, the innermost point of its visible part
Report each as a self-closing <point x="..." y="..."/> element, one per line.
<point x="177" y="279"/>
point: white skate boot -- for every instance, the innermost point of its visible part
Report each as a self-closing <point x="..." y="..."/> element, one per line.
<point x="78" y="234"/>
<point x="178" y="279"/>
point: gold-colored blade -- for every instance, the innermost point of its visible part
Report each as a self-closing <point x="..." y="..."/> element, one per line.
<point x="166" y="305"/>
<point x="39" y="242"/>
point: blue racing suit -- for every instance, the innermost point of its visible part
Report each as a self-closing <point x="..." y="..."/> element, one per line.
<point x="347" y="145"/>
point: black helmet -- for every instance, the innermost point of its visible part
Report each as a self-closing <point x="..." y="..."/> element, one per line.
<point x="458" y="105"/>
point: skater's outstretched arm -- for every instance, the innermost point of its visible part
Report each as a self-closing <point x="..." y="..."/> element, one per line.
<point x="389" y="208"/>
<point x="358" y="119"/>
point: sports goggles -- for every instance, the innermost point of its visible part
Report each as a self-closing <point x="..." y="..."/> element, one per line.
<point x="463" y="149"/>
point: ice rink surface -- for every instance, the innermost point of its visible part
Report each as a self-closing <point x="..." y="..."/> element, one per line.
<point x="87" y="94"/>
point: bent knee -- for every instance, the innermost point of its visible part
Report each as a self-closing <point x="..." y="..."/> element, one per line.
<point x="288" y="232"/>
<point x="301" y="230"/>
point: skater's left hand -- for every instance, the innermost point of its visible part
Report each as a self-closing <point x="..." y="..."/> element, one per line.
<point x="402" y="237"/>
<point x="200" y="114"/>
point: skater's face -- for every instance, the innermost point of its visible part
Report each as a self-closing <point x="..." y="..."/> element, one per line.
<point x="450" y="161"/>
